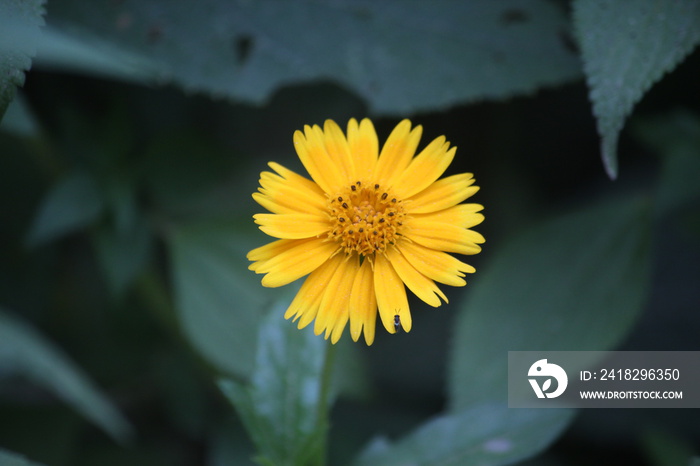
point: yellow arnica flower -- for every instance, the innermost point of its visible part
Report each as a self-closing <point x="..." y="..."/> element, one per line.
<point x="369" y="225"/>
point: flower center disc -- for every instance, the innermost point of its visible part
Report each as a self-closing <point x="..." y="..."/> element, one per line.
<point x="365" y="219"/>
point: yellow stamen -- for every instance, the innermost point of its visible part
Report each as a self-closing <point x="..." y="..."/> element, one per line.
<point x="365" y="219"/>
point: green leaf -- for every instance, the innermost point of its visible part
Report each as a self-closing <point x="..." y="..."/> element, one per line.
<point x="627" y="47"/>
<point x="280" y="406"/>
<point x="19" y="119"/>
<point x="574" y="283"/>
<point x="229" y="445"/>
<point x="218" y="299"/>
<point x="488" y="434"/>
<point x="663" y="448"/>
<point x="123" y="245"/>
<point x="20" y="22"/>
<point x="123" y="253"/>
<point x="181" y="169"/>
<point x="401" y="56"/>
<point x="26" y="352"/>
<point x="676" y="138"/>
<point x="73" y="203"/>
<point x="90" y="54"/>
<point x="8" y="458"/>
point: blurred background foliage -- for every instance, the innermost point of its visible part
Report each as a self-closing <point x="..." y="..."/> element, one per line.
<point x="130" y="325"/>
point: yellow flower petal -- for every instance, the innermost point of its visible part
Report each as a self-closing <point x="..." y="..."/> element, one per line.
<point x="333" y="312"/>
<point x="442" y="236"/>
<point x="338" y="327"/>
<point x="363" y="304"/>
<point x="267" y="252"/>
<point x="391" y="293"/>
<point x="442" y="194"/>
<point x="364" y="147"/>
<point x="289" y="193"/>
<point x="436" y="265"/>
<point x="295" y="178"/>
<point x="425" y="168"/>
<point x="305" y="304"/>
<point x="312" y="153"/>
<point x="299" y="258"/>
<point x="338" y="149"/>
<point x="292" y="226"/>
<point x="419" y="284"/>
<point x="397" y="152"/>
<point x="462" y="215"/>
<point x="271" y="204"/>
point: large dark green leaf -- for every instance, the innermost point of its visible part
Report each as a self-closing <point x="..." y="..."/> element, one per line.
<point x="20" y="21"/>
<point x="219" y="301"/>
<point x="8" y="458"/>
<point x="230" y="445"/>
<point x="73" y="203"/>
<point x="124" y="243"/>
<point x="94" y="55"/>
<point x="488" y="434"/>
<point x="283" y="406"/>
<point x="400" y="55"/>
<point x="664" y="448"/>
<point x="123" y="253"/>
<point x="676" y="138"/>
<point x="25" y="352"/>
<point x="576" y="283"/>
<point x="627" y="46"/>
<point x="19" y="119"/>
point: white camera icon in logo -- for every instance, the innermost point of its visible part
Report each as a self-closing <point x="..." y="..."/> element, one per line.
<point x="542" y="368"/>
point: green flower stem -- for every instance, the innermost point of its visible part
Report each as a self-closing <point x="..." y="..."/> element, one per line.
<point x="324" y="402"/>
